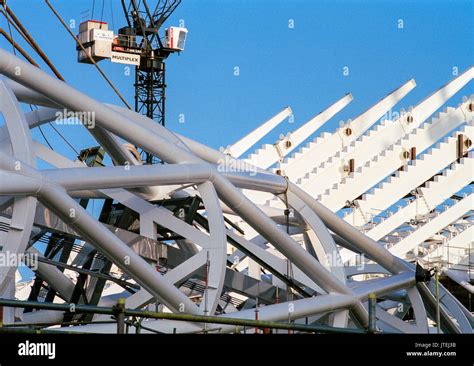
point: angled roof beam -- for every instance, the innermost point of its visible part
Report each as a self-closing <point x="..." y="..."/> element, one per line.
<point x="432" y="194"/>
<point x="432" y="227"/>
<point x="319" y="151"/>
<point x="391" y="159"/>
<point x="371" y="144"/>
<point x="269" y="154"/>
<point x="246" y="142"/>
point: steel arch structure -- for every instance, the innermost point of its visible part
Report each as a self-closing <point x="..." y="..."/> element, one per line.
<point x="309" y="277"/>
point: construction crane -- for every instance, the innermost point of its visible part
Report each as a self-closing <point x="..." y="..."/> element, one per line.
<point x="138" y="44"/>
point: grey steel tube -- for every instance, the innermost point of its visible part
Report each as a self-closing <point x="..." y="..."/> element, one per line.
<point x="330" y="219"/>
<point x="53" y="276"/>
<point x="169" y="152"/>
<point x="73" y="214"/>
<point x="128" y="176"/>
<point x="372" y="311"/>
<point x="351" y="234"/>
<point x="14" y="184"/>
<point x="73" y="179"/>
<point x="430" y="301"/>
<point x="26" y="95"/>
<point x="385" y="285"/>
<point x="122" y="255"/>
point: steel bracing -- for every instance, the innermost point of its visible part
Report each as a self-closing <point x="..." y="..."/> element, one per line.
<point x="217" y="233"/>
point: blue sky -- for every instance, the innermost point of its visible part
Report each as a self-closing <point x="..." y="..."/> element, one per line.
<point x="301" y="66"/>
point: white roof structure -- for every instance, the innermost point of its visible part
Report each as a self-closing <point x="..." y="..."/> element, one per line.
<point x="215" y="233"/>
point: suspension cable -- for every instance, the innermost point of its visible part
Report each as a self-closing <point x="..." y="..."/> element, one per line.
<point x="289" y="268"/>
<point x="64" y="139"/>
<point x="17" y="47"/>
<point x="112" y="15"/>
<point x="102" y="13"/>
<point x="44" y="137"/>
<point x="11" y="35"/>
<point x="31" y="41"/>
<point x="24" y="33"/>
<point x="42" y="133"/>
<point x="7" y="17"/>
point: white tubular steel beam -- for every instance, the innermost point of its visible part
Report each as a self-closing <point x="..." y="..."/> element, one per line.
<point x="125" y="258"/>
<point x="323" y="147"/>
<point x="458" y="278"/>
<point x="385" y="285"/>
<point x="332" y="221"/>
<point x="24" y="208"/>
<point x="237" y="149"/>
<point x="269" y="154"/>
<point x="171" y="152"/>
<point x="74" y="179"/>
<point x="26" y="95"/>
<point x="52" y="275"/>
<point x="379" y="139"/>
<point x="433" y="226"/>
<point x="431" y="195"/>
<point x="278" y="312"/>
<point x="393" y="158"/>
<point x="239" y="188"/>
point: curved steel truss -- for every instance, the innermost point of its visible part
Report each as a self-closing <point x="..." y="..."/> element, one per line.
<point x="201" y="237"/>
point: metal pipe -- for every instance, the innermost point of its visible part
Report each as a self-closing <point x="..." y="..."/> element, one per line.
<point x="125" y="177"/>
<point x="385" y="285"/>
<point x="73" y="179"/>
<point x="52" y="275"/>
<point x="171" y="153"/>
<point x="73" y="214"/>
<point x="352" y="235"/>
<point x="372" y="307"/>
<point x="224" y="320"/>
<point x="121" y="254"/>
<point x="26" y="95"/>
<point x="438" y="316"/>
<point x="119" y="310"/>
<point x="14" y="184"/>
